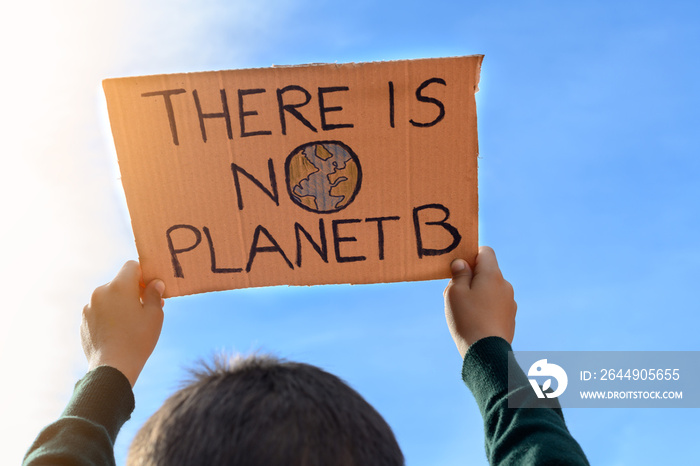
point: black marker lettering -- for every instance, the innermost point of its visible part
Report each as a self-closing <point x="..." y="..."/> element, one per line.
<point x="456" y="237"/>
<point x="168" y="108"/>
<point x="255" y="249"/>
<point x="337" y="239"/>
<point x="380" y="232"/>
<point x="274" y="195"/>
<point x="242" y="113"/>
<point x="322" y="250"/>
<point x="223" y="114"/>
<point x="391" y="103"/>
<point x="431" y="100"/>
<point x="177" y="268"/>
<point x="212" y="255"/>
<point x="327" y="126"/>
<point x="292" y="108"/>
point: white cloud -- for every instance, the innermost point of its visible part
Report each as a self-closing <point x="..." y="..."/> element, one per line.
<point x="65" y="229"/>
<point x="62" y="226"/>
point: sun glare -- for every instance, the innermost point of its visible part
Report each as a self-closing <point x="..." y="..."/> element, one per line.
<point x="55" y="55"/>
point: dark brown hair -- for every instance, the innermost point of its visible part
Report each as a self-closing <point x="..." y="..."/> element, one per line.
<point x="261" y="411"/>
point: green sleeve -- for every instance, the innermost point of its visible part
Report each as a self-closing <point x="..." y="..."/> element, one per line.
<point x="85" y="433"/>
<point x="515" y="436"/>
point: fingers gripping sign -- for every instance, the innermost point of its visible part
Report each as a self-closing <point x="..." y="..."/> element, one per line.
<point x="122" y="323"/>
<point x="479" y="303"/>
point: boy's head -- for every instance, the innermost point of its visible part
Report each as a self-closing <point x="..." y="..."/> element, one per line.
<point x="262" y="411"/>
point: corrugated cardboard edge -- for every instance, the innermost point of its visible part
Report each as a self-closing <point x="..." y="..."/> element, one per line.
<point x="301" y="65"/>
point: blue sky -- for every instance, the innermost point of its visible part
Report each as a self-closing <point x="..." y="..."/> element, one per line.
<point x="588" y="119"/>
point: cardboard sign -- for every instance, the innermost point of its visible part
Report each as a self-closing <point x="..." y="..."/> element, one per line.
<point x="355" y="173"/>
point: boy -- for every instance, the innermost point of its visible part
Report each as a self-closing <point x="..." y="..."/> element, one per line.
<point x="261" y="411"/>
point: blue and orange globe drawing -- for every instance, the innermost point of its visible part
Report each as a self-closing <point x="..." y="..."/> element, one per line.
<point x="323" y="176"/>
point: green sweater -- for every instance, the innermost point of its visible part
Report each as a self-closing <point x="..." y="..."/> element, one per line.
<point x="103" y="401"/>
<point x="515" y="436"/>
<point x="85" y="433"/>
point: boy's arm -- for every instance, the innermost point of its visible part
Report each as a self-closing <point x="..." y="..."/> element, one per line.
<point x="121" y="324"/>
<point x="479" y="304"/>
<point x="480" y="311"/>
<point x="119" y="331"/>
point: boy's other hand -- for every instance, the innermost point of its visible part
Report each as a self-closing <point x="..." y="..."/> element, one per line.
<point x="479" y="303"/>
<point x="122" y="323"/>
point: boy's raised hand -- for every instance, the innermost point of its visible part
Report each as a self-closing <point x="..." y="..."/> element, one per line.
<point x="479" y="303"/>
<point x="122" y="323"/>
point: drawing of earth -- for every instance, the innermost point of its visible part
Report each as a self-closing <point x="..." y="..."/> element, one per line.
<point x="323" y="176"/>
